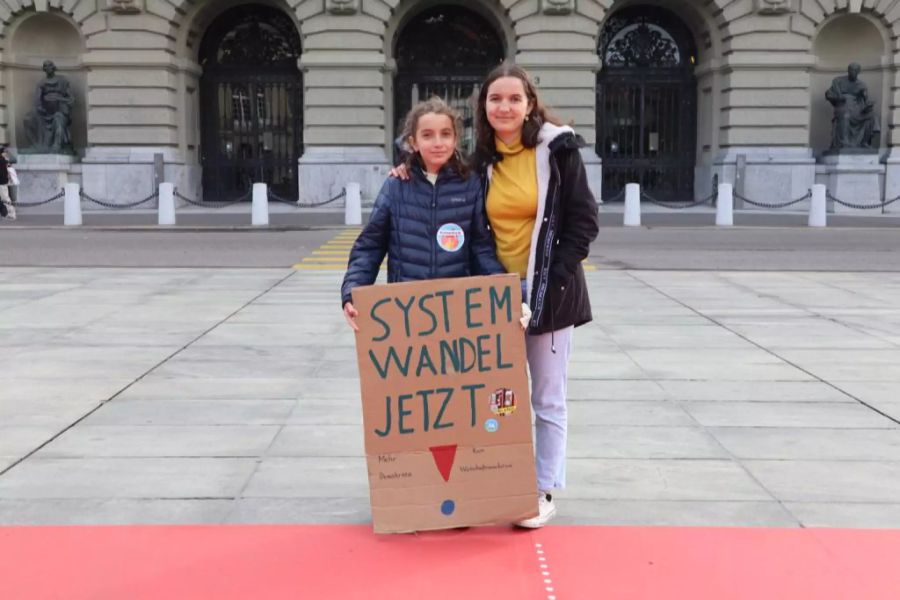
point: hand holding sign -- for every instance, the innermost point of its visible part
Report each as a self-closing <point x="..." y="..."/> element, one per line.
<point x="350" y="314"/>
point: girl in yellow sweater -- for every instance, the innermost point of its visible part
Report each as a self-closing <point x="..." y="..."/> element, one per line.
<point x="544" y="218"/>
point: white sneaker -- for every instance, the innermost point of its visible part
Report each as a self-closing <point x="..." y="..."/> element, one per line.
<point x="546" y="511"/>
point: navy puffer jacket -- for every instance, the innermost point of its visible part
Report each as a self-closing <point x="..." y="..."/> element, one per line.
<point x="405" y="223"/>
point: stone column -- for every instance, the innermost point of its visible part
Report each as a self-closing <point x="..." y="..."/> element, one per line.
<point x="132" y="106"/>
<point x="765" y="117"/>
<point x="564" y="65"/>
<point x="892" y="159"/>
<point x="765" y="99"/>
<point x="344" y="133"/>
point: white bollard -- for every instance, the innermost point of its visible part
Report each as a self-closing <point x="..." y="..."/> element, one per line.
<point x="818" y="207"/>
<point x="632" y="204"/>
<point x="352" y="204"/>
<point x="259" y="212"/>
<point x="725" y="205"/>
<point x="166" y="203"/>
<point x="72" y="208"/>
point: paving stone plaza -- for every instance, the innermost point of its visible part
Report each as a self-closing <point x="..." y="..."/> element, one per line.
<point x="230" y="395"/>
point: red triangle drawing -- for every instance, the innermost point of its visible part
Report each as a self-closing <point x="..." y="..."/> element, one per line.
<point x="443" y="459"/>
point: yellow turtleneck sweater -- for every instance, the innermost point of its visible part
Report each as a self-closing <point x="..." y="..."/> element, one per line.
<point x="512" y="203"/>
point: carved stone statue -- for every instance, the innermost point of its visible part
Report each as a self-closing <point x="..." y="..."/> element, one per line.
<point x="342" y="7"/>
<point x="773" y="7"/>
<point x="558" y="7"/>
<point x="855" y="123"/>
<point x="47" y="126"/>
<point x="124" y="7"/>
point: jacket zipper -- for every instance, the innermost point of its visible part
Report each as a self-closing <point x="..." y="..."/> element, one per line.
<point x="552" y="196"/>
<point x="435" y="229"/>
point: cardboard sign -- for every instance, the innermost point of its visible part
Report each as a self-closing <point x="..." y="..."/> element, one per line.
<point x="446" y="403"/>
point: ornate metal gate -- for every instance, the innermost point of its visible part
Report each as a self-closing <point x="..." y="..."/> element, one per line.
<point x="646" y="104"/>
<point x="432" y="61"/>
<point x="252" y="103"/>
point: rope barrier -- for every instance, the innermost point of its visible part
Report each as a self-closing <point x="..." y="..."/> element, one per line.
<point x="205" y="204"/>
<point x="113" y="205"/>
<point x="296" y="203"/>
<point x="615" y="198"/>
<point x="675" y="206"/>
<point x="61" y="194"/>
<point x="806" y="196"/>
<point x="862" y="206"/>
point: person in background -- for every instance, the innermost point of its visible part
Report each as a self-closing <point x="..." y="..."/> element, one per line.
<point x="5" y="198"/>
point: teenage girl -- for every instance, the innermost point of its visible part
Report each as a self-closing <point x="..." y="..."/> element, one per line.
<point x="544" y="218"/>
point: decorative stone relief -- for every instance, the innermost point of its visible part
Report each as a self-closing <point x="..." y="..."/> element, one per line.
<point x="774" y="7"/>
<point x="342" y="7"/>
<point x="558" y="7"/>
<point x="125" y="7"/>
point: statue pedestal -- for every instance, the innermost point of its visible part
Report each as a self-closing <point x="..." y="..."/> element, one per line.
<point x="892" y="180"/>
<point x="42" y="176"/>
<point x="854" y="177"/>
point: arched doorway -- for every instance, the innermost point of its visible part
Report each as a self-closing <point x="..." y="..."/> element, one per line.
<point x="251" y="94"/>
<point x="646" y="103"/>
<point x="444" y="51"/>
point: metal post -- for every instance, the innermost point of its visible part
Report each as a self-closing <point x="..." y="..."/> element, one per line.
<point x="715" y="188"/>
<point x="166" y="203"/>
<point x="818" y="206"/>
<point x="740" y="172"/>
<point x="159" y="169"/>
<point x="725" y="205"/>
<point x="72" y="207"/>
<point x="352" y="204"/>
<point x="259" y="211"/>
<point x="632" y="204"/>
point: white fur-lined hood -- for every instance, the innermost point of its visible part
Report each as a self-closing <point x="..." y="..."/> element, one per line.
<point x="550" y="132"/>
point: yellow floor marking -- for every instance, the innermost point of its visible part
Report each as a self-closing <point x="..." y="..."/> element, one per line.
<point x="333" y="254"/>
<point x="314" y="267"/>
<point x="326" y="259"/>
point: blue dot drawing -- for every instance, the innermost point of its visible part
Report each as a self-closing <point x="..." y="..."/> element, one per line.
<point x="447" y="507"/>
<point x="491" y="425"/>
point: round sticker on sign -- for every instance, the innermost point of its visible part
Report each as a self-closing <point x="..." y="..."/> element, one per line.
<point x="450" y="237"/>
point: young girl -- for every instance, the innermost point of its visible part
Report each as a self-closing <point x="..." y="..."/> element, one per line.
<point x="431" y="225"/>
<point x="544" y="218"/>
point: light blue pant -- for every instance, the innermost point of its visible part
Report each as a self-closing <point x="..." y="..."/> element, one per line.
<point x="549" y="372"/>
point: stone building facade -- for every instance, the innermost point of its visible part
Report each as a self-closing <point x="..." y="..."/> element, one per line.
<point x="306" y="94"/>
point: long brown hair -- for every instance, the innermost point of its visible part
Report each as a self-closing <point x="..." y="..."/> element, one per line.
<point x="437" y="106"/>
<point x="540" y="114"/>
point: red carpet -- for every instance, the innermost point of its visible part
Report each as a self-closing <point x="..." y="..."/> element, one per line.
<point x="556" y="563"/>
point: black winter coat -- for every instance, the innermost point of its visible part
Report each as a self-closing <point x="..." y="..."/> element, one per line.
<point x="405" y="223"/>
<point x="568" y="225"/>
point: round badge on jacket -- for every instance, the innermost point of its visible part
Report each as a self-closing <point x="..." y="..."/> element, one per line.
<point x="451" y="237"/>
